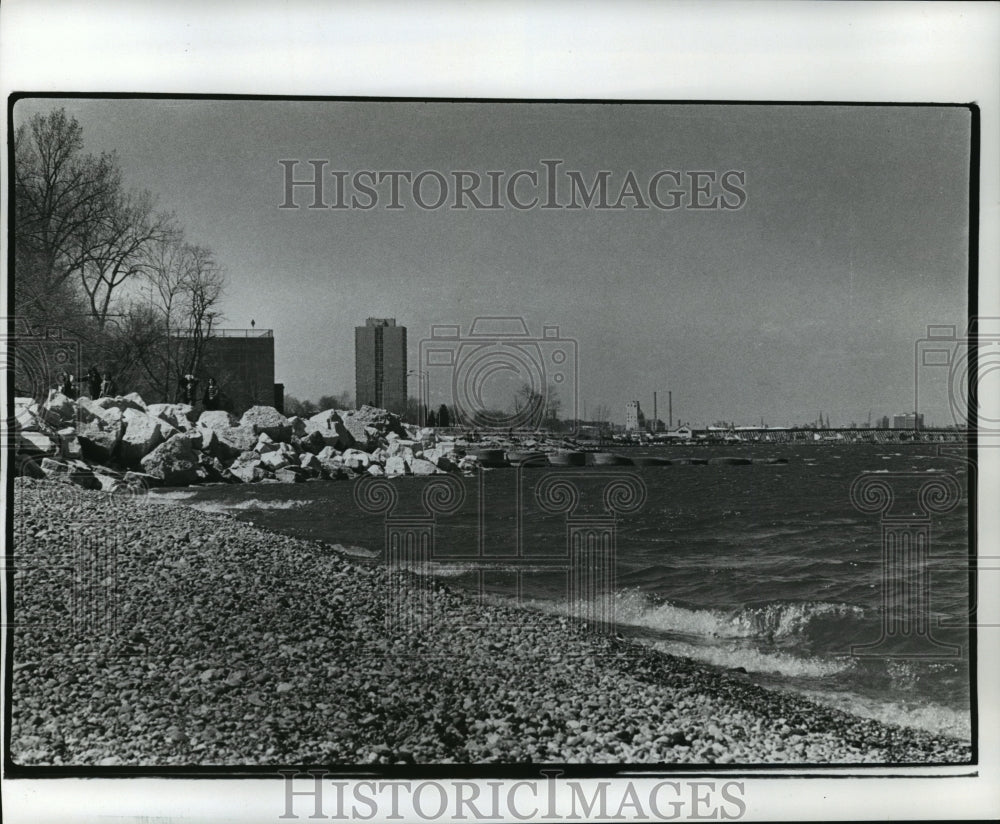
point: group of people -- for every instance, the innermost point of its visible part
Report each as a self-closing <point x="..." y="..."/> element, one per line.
<point x="102" y="385"/>
<point x="98" y="385"/>
<point x="212" y="398"/>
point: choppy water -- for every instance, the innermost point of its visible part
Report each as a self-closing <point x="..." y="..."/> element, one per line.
<point x="766" y="567"/>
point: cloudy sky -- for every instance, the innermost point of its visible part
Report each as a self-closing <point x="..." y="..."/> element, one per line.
<point x="811" y="297"/>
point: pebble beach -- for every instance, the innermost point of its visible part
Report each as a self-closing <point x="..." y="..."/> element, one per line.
<point x="226" y="644"/>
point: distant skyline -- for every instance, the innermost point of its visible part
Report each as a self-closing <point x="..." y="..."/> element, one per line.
<point x="810" y="297"/>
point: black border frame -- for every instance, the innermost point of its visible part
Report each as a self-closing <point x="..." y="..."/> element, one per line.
<point x="512" y="771"/>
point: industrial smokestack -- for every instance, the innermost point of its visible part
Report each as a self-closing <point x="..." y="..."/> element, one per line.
<point x="654" y="411"/>
<point x="670" y="410"/>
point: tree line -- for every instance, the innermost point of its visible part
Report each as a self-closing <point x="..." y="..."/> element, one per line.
<point x="100" y="262"/>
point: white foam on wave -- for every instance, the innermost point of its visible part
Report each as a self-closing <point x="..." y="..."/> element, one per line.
<point x="170" y="496"/>
<point x="223" y="507"/>
<point x="704" y="623"/>
<point x="257" y="503"/>
<point x="772" y="620"/>
<point x="753" y="660"/>
<point x="443" y="569"/>
<point x="933" y="718"/>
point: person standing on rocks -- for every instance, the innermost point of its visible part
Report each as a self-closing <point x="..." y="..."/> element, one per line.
<point x="109" y="388"/>
<point x="189" y="389"/>
<point x="68" y="387"/>
<point x="94" y="383"/>
<point x="213" y="396"/>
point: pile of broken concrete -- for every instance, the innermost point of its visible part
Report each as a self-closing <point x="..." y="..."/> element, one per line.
<point x="111" y="443"/>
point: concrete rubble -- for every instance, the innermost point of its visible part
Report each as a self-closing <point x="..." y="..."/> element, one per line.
<point x="109" y="443"/>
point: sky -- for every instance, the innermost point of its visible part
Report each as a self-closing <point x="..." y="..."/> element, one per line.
<point x="809" y="298"/>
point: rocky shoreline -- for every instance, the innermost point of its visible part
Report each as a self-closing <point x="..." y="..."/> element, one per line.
<point x="226" y="644"/>
<point x="106" y="443"/>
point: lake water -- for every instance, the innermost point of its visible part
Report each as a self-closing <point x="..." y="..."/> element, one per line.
<point x="766" y="567"/>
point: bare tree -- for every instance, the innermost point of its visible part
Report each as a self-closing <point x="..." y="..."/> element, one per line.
<point x="120" y="246"/>
<point x="538" y="405"/>
<point x="185" y="287"/>
<point x="416" y="412"/>
<point x="61" y="194"/>
<point x="82" y="246"/>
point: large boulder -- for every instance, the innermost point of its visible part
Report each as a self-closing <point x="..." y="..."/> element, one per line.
<point x="176" y="414"/>
<point x="36" y="443"/>
<point x="132" y="401"/>
<point x="332" y="429"/>
<point x="240" y="438"/>
<point x="418" y="466"/>
<point x="75" y="472"/>
<point x="284" y="455"/>
<point x="313" y="442"/>
<point x="143" y="433"/>
<point x="356" y="459"/>
<point x="371" y="426"/>
<point x="26" y="413"/>
<point x="247" y="470"/>
<point x="174" y="462"/>
<point x="265" y="443"/>
<point x="99" y="438"/>
<point x="269" y="420"/>
<point x="357" y="429"/>
<point x="401" y="447"/>
<point x="216" y="419"/>
<point x="328" y="453"/>
<point x="443" y="457"/>
<point x="69" y="443"/>
<point x="324" y="419"/>
<point x="395" y="466"/>
<point x="88" y="410"/>
<point x="213" y="446"/>
<point x="111" y="415"/>
<point x="59" y="409"/>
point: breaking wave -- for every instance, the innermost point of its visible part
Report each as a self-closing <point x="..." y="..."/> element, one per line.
<point x="769" y="621"/>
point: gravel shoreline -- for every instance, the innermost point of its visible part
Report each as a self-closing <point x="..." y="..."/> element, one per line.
<point x="237" y="646"/>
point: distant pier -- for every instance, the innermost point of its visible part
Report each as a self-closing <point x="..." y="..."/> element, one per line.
<point x="779" y="435"/>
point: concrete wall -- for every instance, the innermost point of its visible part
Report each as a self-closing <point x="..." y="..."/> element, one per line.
<point x="244" y="369"/>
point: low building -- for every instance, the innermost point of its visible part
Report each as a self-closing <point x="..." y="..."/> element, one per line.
<point x="242" y="363"/>
<point x="908" y="420"/>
